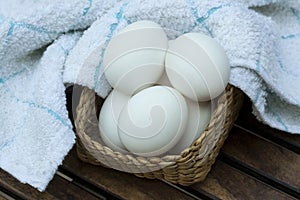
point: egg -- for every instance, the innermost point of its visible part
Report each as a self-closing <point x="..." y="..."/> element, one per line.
<point x="197" y="66"/>
<point x="153" y="121"/>
<point x="198" y="119"/>
<point x="134" y="58"/>
<point x="108" y="120"/>
<point x="164" y="80"/>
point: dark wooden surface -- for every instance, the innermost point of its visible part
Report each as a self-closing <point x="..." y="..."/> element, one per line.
<point x="256" y="162"/>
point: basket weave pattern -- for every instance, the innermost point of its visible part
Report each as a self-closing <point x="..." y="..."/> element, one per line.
<point x="191" y="166"/>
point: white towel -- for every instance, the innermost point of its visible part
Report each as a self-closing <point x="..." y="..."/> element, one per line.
<point x="44" y="44"/>
<point x="35" y="40"/>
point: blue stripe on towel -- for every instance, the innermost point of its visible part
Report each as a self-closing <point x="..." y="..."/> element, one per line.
<point x="7" y="143"/>
<point x="119" y="16"/>
<point x="66" y="51"/>
<point x="49" y="110"/>
<point x="279" y="119"/>
<point x="284" y="69"/>
<point x="86" y="9"/>
<point x="34" y="105"/>
<point x="257" y="96"/>
<point x="11" y="29"/>
<point x="14" y="24"/>
<point x="4" y="79"/>
<point x="201" y="20"/>
<point x="258" y="60"/>
<point x="296" y="14"/>
<point x="10" y="140"/>
<point x="291" y="36"/>
<point x="276" y="115"/>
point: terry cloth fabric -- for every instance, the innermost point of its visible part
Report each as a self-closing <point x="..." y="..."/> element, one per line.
<point x="44" y="44"/>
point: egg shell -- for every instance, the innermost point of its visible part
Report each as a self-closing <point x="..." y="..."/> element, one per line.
<point x="197" y="66"/>
<point x="153" y="121"/>
<point x="108" y="120"/>
<point x="135" y="57"/>
<point x="198" y="119"/>
<point x="164" y="80"/>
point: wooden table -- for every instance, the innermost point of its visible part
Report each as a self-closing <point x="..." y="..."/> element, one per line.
<point x="256" y="162"/>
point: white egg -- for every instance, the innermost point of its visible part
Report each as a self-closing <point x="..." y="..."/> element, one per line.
<point x="108" y="120"/>
<point x="164" y="80"/>
<point x="197" y="66"/>
<point x="134" y="58"/>
<point x="198" y="119"/>
<point x="153" y="121"/>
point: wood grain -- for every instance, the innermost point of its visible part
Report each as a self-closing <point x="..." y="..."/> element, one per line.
<point x="58" y="189"/>
<point x="22" y="190"/>
<point x="249" y="121"/>
<point x="263" y="155"/>
<point x="227" y="183"/>
<point x="122" y="184"/>
<point x="3" y="196"/>
<point x="64" y="190"/>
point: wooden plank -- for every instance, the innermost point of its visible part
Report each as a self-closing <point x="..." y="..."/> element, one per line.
<point x="259" y="175"/>
<point x="58" y="188"/>
<point x="125" y="185"/>
<point x="227" y="183"/>
<point x="248" y="121"/>
<point x="65" y="190"/>
<point x="4" y="196"/>
<point x="263" y="155"/>
<point x="22" y="190"/>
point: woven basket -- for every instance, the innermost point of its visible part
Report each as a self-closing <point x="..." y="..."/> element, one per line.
<point x="191" y="166"/>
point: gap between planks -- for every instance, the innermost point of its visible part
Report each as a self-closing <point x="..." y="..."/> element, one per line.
<point x="85" y="185"/>
<point x="94" y="189"/>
